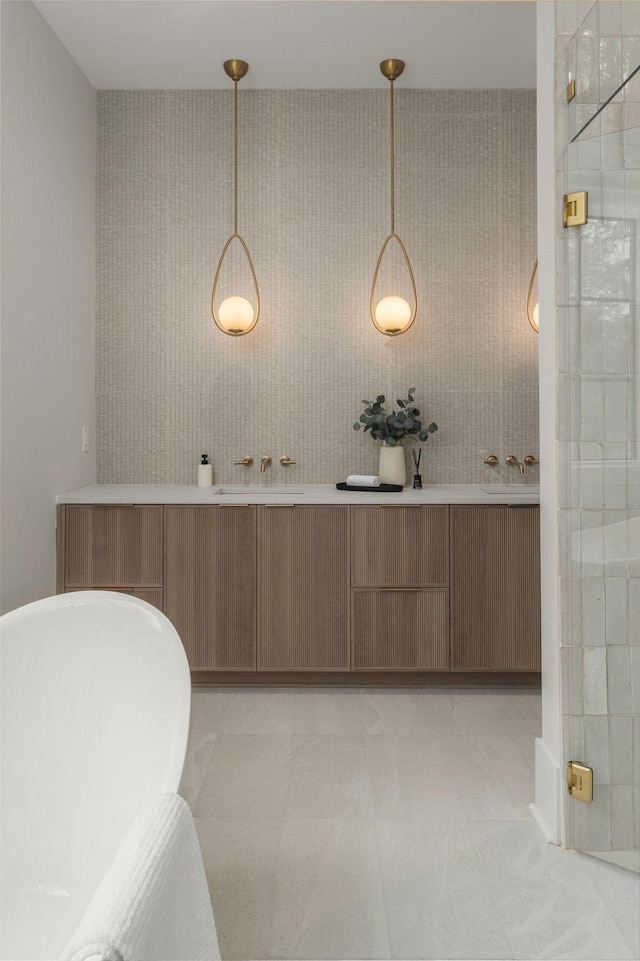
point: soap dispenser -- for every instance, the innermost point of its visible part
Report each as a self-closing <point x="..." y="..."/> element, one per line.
<point x="205" y="472"/>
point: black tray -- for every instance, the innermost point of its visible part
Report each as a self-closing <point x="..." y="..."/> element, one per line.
<point x="382" y="489"/>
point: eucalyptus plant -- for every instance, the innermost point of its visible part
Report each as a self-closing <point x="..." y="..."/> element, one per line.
<point x="394" y="427"/>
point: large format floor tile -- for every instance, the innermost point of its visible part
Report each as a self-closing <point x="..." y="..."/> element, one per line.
<point x="620" y="890"/>
<point x="492" y="777"/>
<point x="438" y="903"/>
<point x="396" y="712"/>
<point x="389" y="824"/>
<point x="520" y="711"/>
<point x="246" y="776"/>
<point x="328" y="711"/>
<point x="329" y="901"/>
<point x="464" y="712"/>
<point x="411" y="777"/>
<point x="261" y="711"/>
<point x="329" y="777"/>
<point x="240" y="857"/>
<point x="549" y="903"/>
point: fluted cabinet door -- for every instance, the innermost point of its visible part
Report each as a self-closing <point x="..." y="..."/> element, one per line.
<point x="211" y="584"/>
<point x="399" y="546"/>
<point x="303" y="588"/>
<point x="495" y="588"/>
<point x="110" y="545"/>
<point x="400" y="630"/>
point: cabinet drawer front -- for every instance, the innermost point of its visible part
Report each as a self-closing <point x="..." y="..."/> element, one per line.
<point x="211" y="585"/>
<point x="495" y="588"/>
<point x="109" y="545"/>
<point x="303" y="619"/>
<point x="401" y="630"/>
<point x="400" y="546"/>
<point x="153" y="597"/>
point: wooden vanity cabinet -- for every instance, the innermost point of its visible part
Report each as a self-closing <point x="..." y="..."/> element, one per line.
<point x="400" y="595"/>
<point x="115" y="547"/>
<point x="495" y="588"/>
<point x="211" y="584"/>
<point x="313" y="589"/>
<point x="303" y="588"/>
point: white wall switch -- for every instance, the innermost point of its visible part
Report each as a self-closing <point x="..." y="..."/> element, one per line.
<point x="85" y="440"/>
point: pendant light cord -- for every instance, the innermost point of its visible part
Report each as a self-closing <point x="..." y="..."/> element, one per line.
<point x="235" y="156"/>
<point x="393" y="171"/>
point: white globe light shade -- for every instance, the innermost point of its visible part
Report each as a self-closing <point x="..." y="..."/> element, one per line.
<point x="235" y="314"/>
<point x="393" y="314"/>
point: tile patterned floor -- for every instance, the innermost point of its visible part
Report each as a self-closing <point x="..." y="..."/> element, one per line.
<point x="389" y="824"/>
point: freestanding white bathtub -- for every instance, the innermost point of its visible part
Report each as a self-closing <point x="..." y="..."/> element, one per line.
<point x="96" y="693"/>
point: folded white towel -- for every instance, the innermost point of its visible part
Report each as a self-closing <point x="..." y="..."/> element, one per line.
<point x="153" y="903"/>
<point x="363" y="480"/>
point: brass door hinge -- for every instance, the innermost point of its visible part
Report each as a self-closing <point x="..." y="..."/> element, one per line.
<point x="575" y="209"/>
<point x="571" y="90"/>
<point x="580" y="781"/>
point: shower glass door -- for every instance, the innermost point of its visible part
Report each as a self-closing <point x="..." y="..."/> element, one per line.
<point x="602" y="654"/>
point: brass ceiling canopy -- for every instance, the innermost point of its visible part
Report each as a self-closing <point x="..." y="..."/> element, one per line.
<point x="236" y="69"/>
<point x="392" y="68"/>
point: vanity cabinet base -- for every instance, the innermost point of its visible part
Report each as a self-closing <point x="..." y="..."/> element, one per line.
<point x="476" y="679"/>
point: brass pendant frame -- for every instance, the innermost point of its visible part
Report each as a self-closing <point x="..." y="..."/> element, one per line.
<point x="391" y="69"/>
<point x="236" y="70"/>
<point x="232" y="333"/>
<point x="529" y="298"/>
<point x="372" y="301"/>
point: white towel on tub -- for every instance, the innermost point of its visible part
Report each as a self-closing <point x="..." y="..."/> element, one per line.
<point x="153" y="904"/>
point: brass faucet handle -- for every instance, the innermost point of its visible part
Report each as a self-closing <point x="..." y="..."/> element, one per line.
<point x="286" y="461"/>
<point x="531" y="461"/>
<point x="246" y="461"/>
<point x="491" y="460"/>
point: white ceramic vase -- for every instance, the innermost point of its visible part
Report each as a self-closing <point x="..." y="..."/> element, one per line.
<point x="392" y="468"/>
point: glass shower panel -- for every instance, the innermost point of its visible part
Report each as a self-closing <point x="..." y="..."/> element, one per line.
<point x="604" y="435"/>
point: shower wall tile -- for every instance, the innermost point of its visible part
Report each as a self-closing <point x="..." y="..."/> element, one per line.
<point x="595" y="680"/>
<point x="314" y="210"/>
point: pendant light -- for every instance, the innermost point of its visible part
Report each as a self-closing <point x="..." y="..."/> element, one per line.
<point x="392" y="315"/>
<point x="532" y="301"/>
<point x="235" y="315"/>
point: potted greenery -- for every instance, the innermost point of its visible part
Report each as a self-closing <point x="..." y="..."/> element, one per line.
<point x="392" y="429"/>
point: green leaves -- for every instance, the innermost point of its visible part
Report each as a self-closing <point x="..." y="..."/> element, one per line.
<point x="394" y="427"/>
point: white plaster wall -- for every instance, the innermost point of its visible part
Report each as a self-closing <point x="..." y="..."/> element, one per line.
<point x="48" y="293"/>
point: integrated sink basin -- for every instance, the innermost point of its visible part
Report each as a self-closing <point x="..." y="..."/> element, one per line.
<point x="256" y="490"/>
<point x="512" y="491"/>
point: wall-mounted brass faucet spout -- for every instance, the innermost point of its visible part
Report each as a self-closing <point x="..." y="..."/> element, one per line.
<point x="514" y="462"/>
<point x="264" y="463"/>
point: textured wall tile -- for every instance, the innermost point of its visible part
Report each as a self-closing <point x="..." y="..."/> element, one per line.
<point x="595" y="680"/>
<point x="620" y="750"/>
<point x="314" y="210"/>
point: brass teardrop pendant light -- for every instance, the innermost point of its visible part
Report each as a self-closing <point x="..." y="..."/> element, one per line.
<point x="392" y="315"/>
<point x="532" y="301"/>
<point x="235" y="315"/>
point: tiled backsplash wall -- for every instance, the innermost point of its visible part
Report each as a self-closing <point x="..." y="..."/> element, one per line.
<point x="314" y="209"/>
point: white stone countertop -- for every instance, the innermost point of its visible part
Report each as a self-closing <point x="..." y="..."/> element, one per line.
<point x="297" y="494"/>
